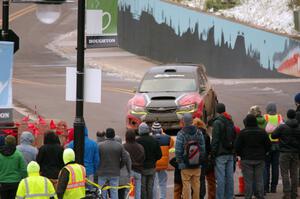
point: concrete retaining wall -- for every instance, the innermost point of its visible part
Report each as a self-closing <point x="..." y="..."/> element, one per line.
<point x="171" y="33"/>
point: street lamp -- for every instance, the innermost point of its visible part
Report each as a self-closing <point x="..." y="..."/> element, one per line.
<point x="48" y="13"/>
<point x="79" y="124"/>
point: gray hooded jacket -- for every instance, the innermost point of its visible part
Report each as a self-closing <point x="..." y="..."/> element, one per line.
<point x="126" y="169"/>
<point x="29" y="152"/>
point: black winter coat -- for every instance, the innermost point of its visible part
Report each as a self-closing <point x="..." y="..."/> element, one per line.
<point x="152" y="150"/>
<point x="252" y="144"/>
<point x="289" y="136"/>
<point x="50" y="157"/>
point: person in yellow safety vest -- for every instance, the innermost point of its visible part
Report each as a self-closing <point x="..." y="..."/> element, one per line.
<point x="71" y="179"/>
<point x="273" y="120"/>
<point x="35" y="186"/>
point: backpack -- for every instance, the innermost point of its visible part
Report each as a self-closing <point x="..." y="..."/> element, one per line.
<point x="229" y="135"/>
<point x="192" y="150"/>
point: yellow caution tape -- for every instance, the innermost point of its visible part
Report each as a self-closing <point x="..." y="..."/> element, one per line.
<point x="128" y="186"/>
<point x="172" y="150"/>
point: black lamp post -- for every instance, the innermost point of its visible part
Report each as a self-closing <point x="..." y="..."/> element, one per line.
<point x="5" y="21"/>
<point x="79" y="124"/>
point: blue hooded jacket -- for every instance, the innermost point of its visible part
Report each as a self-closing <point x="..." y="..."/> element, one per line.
<point x="91" y="154"/>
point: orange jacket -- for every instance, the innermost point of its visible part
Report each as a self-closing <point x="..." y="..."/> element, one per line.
<point x="166" y="142"/>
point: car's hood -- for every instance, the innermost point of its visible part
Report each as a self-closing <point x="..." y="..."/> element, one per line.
<point x="164" y="99"/>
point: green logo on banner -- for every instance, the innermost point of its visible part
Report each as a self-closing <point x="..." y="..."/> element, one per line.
<point x="106" y="13"/>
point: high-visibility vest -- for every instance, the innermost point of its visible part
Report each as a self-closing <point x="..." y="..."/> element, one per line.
<point x="275" y="120"/>
<point x="76" y="183"/>
<point x="35" y="187"/>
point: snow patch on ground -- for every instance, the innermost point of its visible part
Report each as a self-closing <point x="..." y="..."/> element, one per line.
<point x="274" y="15"/>
<point x="216" y="81"/>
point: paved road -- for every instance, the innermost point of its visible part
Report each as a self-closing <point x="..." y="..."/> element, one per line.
<point x="39" y="78"/>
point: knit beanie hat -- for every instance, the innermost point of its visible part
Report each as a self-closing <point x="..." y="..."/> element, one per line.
<point x="143" y="128"/>
<point x="187" y="119"/>
<point x="291" y="114"/>
<point x="255" y="110"/>
<point x="220" y="108"/>
<point x="110" y="133"/>
<point x="10" y="140"/>
<point x="156" y="128"/>
<point x="250" y="121"/>
<point x="297" y="98"/>
<point x="271" y="108"/>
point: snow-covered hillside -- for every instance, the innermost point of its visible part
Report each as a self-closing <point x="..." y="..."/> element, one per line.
<point x="273" y="15"/>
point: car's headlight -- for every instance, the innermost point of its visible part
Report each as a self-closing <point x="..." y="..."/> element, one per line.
<point x="187" y="108"/>
<point x="138" y="109"/>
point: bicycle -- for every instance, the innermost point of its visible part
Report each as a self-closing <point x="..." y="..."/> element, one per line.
<point x="96" y="192"/>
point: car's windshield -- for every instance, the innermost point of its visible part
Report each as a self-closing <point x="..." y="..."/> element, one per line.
<point x="168" y="85"/>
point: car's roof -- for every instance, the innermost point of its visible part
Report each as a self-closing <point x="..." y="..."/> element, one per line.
<point x="177" y="68"/>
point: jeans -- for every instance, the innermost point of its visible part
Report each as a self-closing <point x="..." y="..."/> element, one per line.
<point x="224" y="176"/>
<point x="190" y="179"/>
<point x="112" y="181"/>
<point x="272" y="159"/>
<point x="147" y="183"/>
<point x="253" y="171"/>
<point x="137" y="184"/>
<point x="289" y="173"/>
<point x="161" y="179"/>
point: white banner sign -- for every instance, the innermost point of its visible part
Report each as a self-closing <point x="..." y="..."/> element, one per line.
<point x="92" y="85"/>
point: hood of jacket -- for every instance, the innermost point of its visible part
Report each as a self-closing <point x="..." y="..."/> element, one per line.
<point x="86" y="132"/>
<point x="68" y="156"/>
<point x="271" y="108"/>
<point x="7" y="150"/>
<point x="190" y="129"/>
<point x="27" y="138"/>
<point x="292" y="123"/>
<point x="51" y="138"/>
<point x="33" y="169"/>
